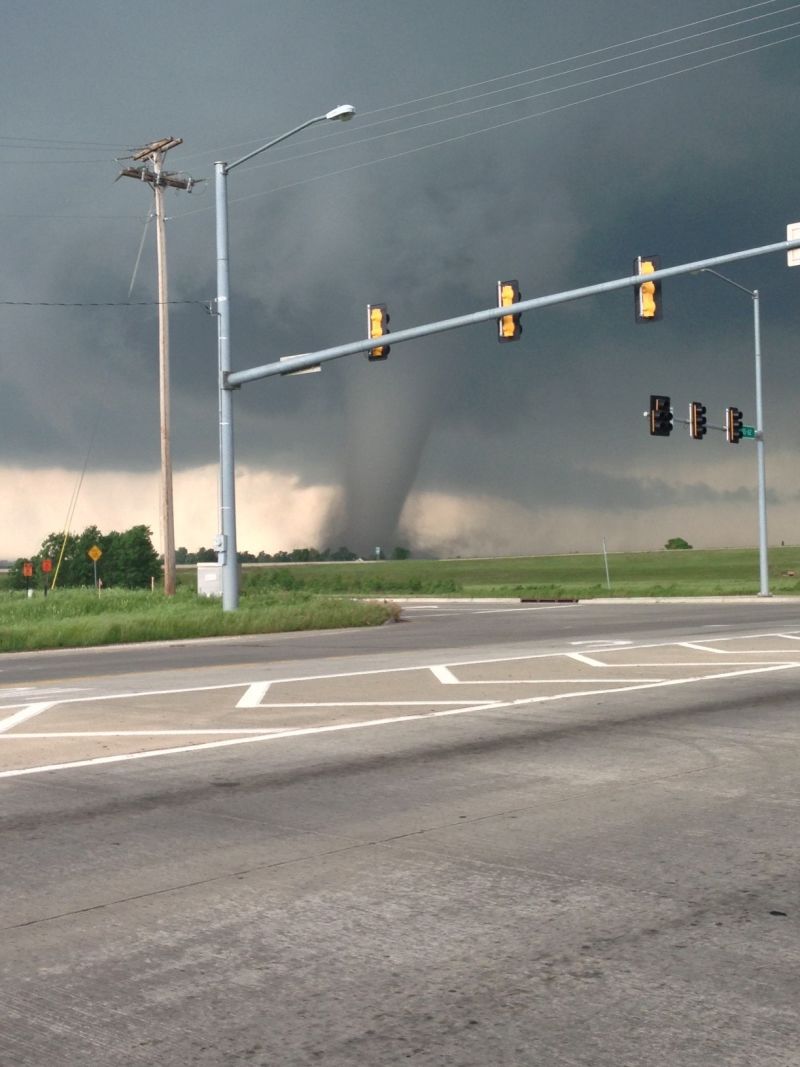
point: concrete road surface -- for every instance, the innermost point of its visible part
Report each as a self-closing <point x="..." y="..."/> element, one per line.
<point x="577" y="850"/>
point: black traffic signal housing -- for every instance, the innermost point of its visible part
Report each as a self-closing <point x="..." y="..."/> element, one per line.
<point x="647" y="296"/>
<point x="377" y="326"/>
<point x="733" y="425"/>
<point x="698" y="423"/>
<point x="508" y="326"/>
<point x="660" y="416"/>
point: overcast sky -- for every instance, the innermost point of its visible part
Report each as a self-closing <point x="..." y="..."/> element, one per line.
<point x="546" y="141"/>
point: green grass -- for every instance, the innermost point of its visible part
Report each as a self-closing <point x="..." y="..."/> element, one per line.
<point x="318" y="596"/>
<point x="78" y="618"/>
<point x="721" y="572"/>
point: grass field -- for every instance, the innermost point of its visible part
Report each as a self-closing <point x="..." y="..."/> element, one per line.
<point x="719" y="572"/>
<point x="277" y="598"/>
<point x="78" y="618"/>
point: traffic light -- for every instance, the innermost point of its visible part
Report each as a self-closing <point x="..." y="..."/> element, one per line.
<point x="508" y="326"/>
<point x="698" y="423"/>
<point x="377" y="326"/>
<point x="660" y="416"/>
<point x="733" y="425"/>
<point x="647" y="296"/>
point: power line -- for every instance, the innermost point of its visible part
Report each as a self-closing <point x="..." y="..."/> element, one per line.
<point x="548" y="77"/>
<point x="43" y="215"/>
<point x="501" y="125"/>
<point x="601" y="62"/>
<point x="50" y="162"/>
<point x="535" y="96"/>
<point x="98" y="304"/>
<point x="586" y="55"/>
<point x="544" y="66"/>
<point x="50" y="142"/>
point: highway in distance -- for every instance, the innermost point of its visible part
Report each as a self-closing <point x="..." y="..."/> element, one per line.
<point x="492" y="834"/>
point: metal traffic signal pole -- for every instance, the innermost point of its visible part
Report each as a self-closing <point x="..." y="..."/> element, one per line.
<point x="230" y="379"/>
<point x="225" y="546"/>
<point x="763" y="561"/>
<point x="760" y="459"/>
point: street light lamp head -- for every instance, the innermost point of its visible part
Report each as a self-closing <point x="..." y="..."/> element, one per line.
<point x="344" y="112"/>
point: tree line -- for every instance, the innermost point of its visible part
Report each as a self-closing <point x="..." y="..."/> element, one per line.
<point x="126" y="559"/>
<point x="297" y="555"/>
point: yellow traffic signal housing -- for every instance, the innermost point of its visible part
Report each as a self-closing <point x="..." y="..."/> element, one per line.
<point x="698" y="421"/>
<point x="377" y="326"/>
<point x="660" y="416"/>
<point x="508" y="326"/>
<point x="733" y="425"/>
<point x="647" y="295"/>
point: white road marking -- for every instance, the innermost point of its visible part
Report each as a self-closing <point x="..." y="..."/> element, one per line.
<point x="20" y="690"/>
<point x="581" y="657"/>
<point x="364" y="704"/>
<point x="372" y="723"/>
<point x="558" y="681"/>
<point x="254" y="695"/>
<point x="395" y="670"/>
<point x="733" y="651"/>
<point x="143" y="733"/>
<point x="446" y="676"/>
<point x="29" y="712"/>
<point x="602" y="643"/>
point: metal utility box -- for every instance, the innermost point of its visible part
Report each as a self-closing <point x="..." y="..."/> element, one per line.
<point x="209" y="579"/>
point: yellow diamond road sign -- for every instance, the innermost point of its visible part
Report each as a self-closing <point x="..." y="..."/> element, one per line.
<point x="94" y="553"/>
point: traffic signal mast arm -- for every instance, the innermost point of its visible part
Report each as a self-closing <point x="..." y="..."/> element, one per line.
<point x="232" y="379"/>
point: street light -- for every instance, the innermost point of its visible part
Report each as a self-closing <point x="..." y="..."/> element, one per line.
<point x="762" y="479"/>
<point x="226" y="542"/>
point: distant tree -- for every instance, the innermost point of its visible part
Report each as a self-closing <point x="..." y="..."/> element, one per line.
<point x="246" y="557"/>
<point x="304" y="555"/>
<point x="128" y="559"/>
<point x="182" y="555"/>
<point x="400" y="553"/>
<point x="677" y="542"/>
<point x="342" y="554"/>
<point x="205" y="555"/>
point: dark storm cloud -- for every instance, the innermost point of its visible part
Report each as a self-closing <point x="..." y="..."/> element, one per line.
<point x="689" y="166"/>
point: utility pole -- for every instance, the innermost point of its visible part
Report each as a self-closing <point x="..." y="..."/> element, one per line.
<point x="151" y="169"/>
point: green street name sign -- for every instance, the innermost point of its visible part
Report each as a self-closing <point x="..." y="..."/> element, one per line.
<point x="748" y="431"/>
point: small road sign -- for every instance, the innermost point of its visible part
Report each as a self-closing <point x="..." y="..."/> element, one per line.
<point x="748" y="431"/>
<point x="94" y="553"/>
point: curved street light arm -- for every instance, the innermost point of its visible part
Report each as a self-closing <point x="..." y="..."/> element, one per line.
<point x="344" y="112"/>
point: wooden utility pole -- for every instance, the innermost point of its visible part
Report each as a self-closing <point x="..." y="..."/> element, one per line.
<point x="151" y="170"/>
